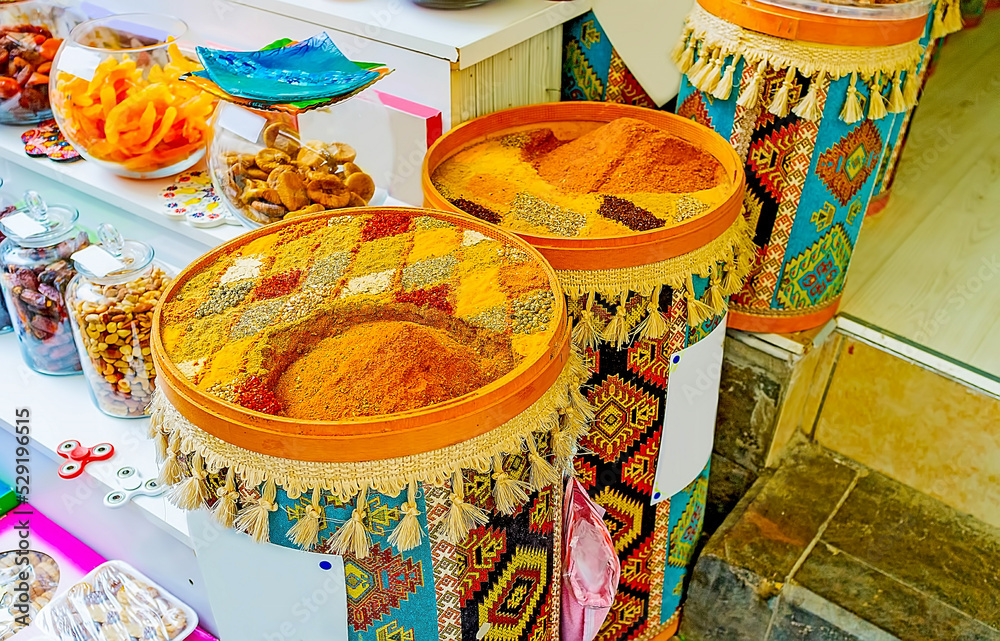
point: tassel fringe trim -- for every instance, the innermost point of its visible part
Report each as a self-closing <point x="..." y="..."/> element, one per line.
<point x="709" y="41"/>
<point x="562" y="414"/>
<point x="727" y="257"/>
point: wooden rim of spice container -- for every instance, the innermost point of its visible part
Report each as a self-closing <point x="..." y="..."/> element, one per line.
<point x="807" y="26"/>
<point x="377" y="437"/>
<point x="611" y="252"/>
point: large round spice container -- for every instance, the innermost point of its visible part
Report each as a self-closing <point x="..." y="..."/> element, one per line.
<point x="396" y="386"/>
<point x="807" y="91"/>
<point x="111" y="303"/>
<point x="638" y="212"/>
<point x="35" y="268"/>
<point x="943" y="19"/>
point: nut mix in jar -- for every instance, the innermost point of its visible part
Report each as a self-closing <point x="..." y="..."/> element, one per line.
<point x="30" y="34"/>
<point x="279" y="176"/>
<point x="35" y="269"/>
<point x="112" y="314"/>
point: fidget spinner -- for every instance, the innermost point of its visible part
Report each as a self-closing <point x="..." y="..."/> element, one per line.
<point x="79" y="456"/>
<point x="131" y="486"/>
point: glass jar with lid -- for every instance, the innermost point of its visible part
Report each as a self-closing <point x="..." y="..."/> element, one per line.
<point x="35" y="269"/>
<point x="111" y="303"/>
<point x="31" y="32"/>
<point x="6" y="207"/>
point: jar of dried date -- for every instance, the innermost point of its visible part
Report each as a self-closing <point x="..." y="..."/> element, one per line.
<point x="35" y="269"/>
<point x="31" y="32"/>
<point x="111" y="303"/>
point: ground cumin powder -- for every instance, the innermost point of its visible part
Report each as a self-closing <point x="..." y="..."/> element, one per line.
<point x="627" y="156"/>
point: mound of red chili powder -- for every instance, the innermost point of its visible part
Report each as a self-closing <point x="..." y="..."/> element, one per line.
<point x="628" y="156"/>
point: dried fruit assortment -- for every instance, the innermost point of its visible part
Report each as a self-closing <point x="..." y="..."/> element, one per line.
<point x="339" y="316"/>
<point x="26" y="55"/>
<point x="112" y="324"/>
<point x="583" y="179"/>
<point x="43" y="579"/>
<point x="34" y="282"/>
<point x="135" y="113"/>
<point x="288" y="178"/>
<point x="112" y="603"/>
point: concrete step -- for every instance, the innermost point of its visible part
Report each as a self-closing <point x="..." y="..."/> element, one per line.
<point x="824" y="548"/>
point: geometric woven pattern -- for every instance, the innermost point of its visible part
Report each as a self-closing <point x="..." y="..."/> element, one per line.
<point x="816" y="275"/>
<point x="846" y="166"/>
<point x="377" y="584"/>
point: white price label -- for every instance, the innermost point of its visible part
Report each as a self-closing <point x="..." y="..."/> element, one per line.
<point x="22" y="225"/>
<point x="689" y="424"/>
<point x="243" y="123"/>
<point x="97" y="260"/>
<point x="79" y="62"/>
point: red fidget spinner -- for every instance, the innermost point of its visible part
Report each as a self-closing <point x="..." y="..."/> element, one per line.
<point x="79" y="456"/>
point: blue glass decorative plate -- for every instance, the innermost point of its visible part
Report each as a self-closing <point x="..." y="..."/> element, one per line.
<point x="309" y="70"/>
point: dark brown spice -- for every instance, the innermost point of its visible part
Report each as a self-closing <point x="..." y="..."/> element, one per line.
<point x="627" y="213"/>
<point x="474" y="209"/>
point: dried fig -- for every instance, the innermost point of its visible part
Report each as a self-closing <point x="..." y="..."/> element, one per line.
<point x="292" y="190"/>
<point x="269" y="159"/>
<point x="329" y="191"/>
<point x="269" y="209"/>
<point x="356" y="201"/>
<point x="305" y="211"/>
<point x="351" y="168"/>
<point x="280" y="136"/>
<point x="311" y="155"/>
<point x="340" y="152"/>
<point x="361" y="184"/>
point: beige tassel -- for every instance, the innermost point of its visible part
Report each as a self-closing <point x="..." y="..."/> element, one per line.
<point x="162" y="444"/>
<point x="897" y="104"/>
<point x="732" y="282"/>
<point x="509" y="493"/>
<point x="911" y="93"/>
<point x="724" y="89"/>
<point x="254" y="519"/>
<point x="462" y="516"/>
<point x="562" y="445"/>
<point x="808" y="107"/>
<point x="305" y="532"/>
<point x="698" y="312"/>
<point x="171" y="471"/>
<point x="938" y="29"/>
<point x="876" y="103"/>
<point x="541" y="472"/>
<point x="190" y="494"/>
<point x="587" y="332"/>
<point x="701" y="67"/>
<point x="952" y="17"/>
<point x="224" y="509"/>
<point x="711" y="79"/>
<point x="751" y="93"/>
<point x="680" y="49"/>
<point x="579" y="403"/>
<point x="687" y="58"/>
<point x="353" y="536"/>
<point x="779" y="104"/>
<point x="408" y="534"/>
<point x="851" y="113"/>
<point x="654" y="326"/>
<point x="716" y="300"/>
<point x="616" y="331"/>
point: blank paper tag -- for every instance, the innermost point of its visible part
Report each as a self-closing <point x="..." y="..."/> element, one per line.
<point x="689" y="424"/>
<point x="97" y="261"/>
<point x="79" y="62"/>
<point x="22" y="225"/>
<point x="241" y="122"/>
<point x="266" y="592"/>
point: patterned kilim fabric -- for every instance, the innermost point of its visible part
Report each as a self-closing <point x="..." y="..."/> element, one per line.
<point x="617" y="465"/>
<point x="808" y="184"/>
<point x="504" y="574"/>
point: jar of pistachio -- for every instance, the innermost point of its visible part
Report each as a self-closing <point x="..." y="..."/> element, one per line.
<point x="111" y="303"/>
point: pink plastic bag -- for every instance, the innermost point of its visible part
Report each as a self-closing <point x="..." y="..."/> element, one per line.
<point x="591" y="568"/>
